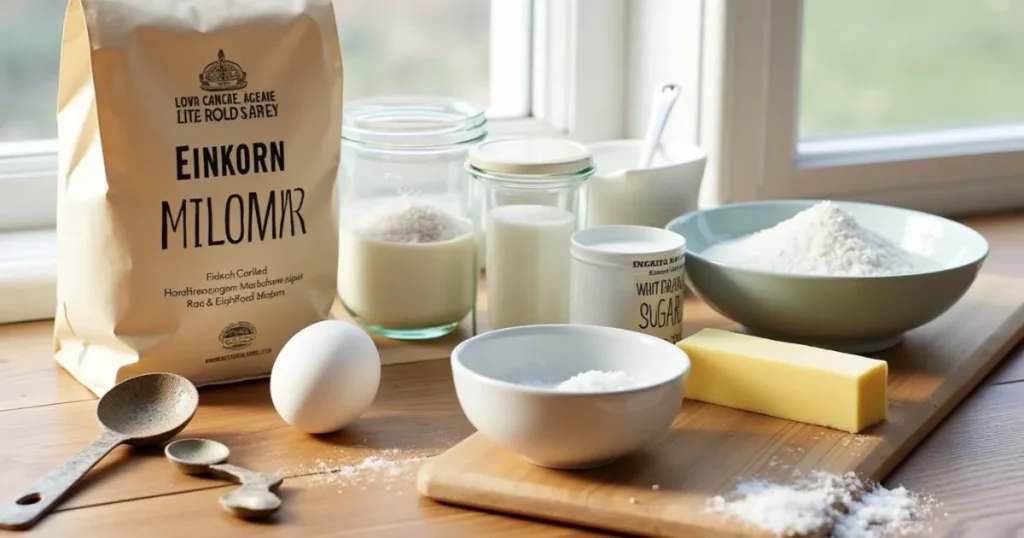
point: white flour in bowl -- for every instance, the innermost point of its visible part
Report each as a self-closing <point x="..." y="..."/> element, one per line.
<point x="591" y="381"/>
<point x="820" y="240"/>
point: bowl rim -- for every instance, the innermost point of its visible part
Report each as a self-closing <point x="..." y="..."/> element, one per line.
<point x="692" y="153"/>
<point x="460" y="349"/>
<point x="682" y="219"/>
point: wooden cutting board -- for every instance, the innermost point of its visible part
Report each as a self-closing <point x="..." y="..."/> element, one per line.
<point x="710" y="447"/>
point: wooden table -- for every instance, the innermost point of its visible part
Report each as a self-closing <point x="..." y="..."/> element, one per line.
<point x="971" y="462"/>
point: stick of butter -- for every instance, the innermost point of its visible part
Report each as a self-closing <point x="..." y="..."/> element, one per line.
<point x="790" y="381"/>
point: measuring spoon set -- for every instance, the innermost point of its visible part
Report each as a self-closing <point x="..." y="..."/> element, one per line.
<point x="144" y="411"/>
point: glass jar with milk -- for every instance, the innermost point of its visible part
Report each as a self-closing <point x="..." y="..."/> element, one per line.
<point x="407" y="266"/>
<point x="528" y="203"/>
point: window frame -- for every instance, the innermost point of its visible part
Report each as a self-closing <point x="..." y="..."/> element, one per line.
<point x="750" y="87"/>
<point x="570" y="54"/>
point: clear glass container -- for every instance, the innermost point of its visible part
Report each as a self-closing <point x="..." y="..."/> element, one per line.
<point x="408" y="265"/>
<point x="529" y="194"/>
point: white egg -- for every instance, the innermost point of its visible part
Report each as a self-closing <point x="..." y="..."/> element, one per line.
<point x="325" y="376"/>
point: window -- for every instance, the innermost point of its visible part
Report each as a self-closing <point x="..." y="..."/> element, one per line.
<point x="909" y="66"/>
<point x="539" y="66"/>
<point x="914" y="103"/>
<point x="29" y="53"/>
<point x="911" y="103"/>
<point x="446" y="47"/>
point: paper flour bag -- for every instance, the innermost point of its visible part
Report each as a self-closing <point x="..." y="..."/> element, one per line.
<point x="199" y="146"/>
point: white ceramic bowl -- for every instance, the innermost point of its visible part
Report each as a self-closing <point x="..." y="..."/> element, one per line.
<point x="620" y="193"/>
<point x="851" y="314"/>
<point x="493" y="373"/>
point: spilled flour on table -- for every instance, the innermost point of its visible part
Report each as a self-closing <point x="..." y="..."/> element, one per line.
<point x="386" y="468"/>
<point x="854" y="508"/>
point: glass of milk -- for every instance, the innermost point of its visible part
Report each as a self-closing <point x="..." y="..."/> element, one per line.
<point x="528" y="193"/>
<point x="408" y="267"/>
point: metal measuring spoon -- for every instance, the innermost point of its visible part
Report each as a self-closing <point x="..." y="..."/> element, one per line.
<point x="140" y="411"/>
<point x="254" y="500"/>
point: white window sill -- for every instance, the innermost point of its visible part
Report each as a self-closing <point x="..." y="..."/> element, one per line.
<point x="28" y="275"/>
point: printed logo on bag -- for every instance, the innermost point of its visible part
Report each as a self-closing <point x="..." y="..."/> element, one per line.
<point x="222" y="75"/>
<point x="224" y="79"/>
<point x="238" y="335"/>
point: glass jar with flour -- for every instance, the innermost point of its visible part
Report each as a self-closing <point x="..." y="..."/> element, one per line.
<point x="407" y="265"/>
<point x="528" y="203"/>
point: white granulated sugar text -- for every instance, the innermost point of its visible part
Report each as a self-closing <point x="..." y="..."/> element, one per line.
<point x="853" y="508"/>
<point x="820" y="240"/>
<point x="591" y="381"/>
<point x="411" y="223"/>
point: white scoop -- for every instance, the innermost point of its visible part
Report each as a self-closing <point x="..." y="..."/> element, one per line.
<point x="661" y="107"/>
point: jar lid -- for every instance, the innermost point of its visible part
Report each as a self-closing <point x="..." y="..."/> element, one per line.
<point x="412" y="121"/>
<point x="531" y="157"/>
<point x="620" y="244"/>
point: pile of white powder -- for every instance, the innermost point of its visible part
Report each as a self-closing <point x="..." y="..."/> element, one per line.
<point x="853" y="508"/>
<point x="820" y="240"/>
<point x="591" y="381"/>
<point x="383" y="468"/>
<point x="410" y="222"/>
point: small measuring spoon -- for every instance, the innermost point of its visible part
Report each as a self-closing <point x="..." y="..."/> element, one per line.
<point x="141" y="411"/>
<point x="254" y="500"/>
<point x="664" y="99"/>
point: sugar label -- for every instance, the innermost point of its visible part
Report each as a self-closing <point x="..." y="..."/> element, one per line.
<point x="658" y="307"/>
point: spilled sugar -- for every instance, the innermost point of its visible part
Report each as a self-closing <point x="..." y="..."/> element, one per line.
<point x="881" y="512"/>
<point x="387" y="468"/>
<point x="854" y="508"/>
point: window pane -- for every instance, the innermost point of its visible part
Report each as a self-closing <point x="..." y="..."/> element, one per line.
<point x="415" y="46"/>
<point x="29" y="59"/>
<point x="872" y="66"/>
<point x="388" y="46"/>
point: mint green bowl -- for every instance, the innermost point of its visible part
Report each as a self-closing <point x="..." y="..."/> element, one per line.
<point x="851" y="314"/>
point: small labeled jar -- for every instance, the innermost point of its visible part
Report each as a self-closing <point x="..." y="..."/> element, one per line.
<point x="408" y="265"/>
<point x="528" y="194"/>
<point x="630" y="277"/>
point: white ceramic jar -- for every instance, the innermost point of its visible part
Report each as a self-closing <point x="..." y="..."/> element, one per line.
<point x="621" y="193"/>
<point x="630" y="277"/>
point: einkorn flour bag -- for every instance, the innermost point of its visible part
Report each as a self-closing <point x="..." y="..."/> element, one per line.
<point x="199" y="146"/>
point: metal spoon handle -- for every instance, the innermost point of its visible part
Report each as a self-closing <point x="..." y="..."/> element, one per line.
<point x="245" y="476"/>
<point x="26" y="510"/>
<point x="255" y="499"/>
<point x="664" y="99"/>
<point x="250" y="502"/>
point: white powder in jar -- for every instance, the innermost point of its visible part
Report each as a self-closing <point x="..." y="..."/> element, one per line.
<point x="409" y="222"/>
<point x="591" y="381"/>
<point x="844" y="504"/>
<point x="409" y="266"/>
<point x="820" y="240"/>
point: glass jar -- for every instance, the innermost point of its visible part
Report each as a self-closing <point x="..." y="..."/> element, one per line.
<point x="407" y="264"/>
<point x="528" y="194"/>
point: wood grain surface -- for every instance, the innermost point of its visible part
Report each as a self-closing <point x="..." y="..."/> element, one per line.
<point x="710" y="447"/>
<point x="971" y="463"/>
